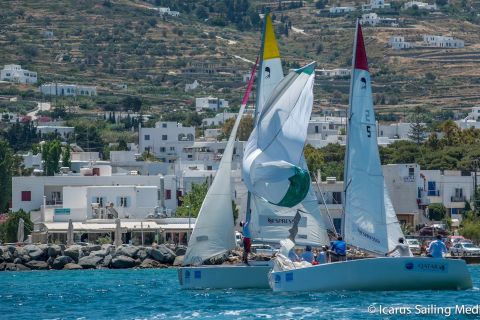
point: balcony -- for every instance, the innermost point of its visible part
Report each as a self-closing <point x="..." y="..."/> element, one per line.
<point x="457" y="199"/>
<point x="409" y="179"/>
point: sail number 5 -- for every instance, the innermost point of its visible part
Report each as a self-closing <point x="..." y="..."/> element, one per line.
<point x="367" y="119"/>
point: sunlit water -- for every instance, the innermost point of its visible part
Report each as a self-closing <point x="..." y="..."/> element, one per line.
<point x="155" y="294"/>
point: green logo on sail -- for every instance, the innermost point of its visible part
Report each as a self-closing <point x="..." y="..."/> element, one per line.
<point x="298" y="189"/>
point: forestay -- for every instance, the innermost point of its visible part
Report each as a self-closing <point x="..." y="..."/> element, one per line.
<point x="273" y="155"/>
<point x="370" y="220"/>
<point x="213" y="233"/>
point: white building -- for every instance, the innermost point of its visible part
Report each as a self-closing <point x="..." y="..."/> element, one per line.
<point x="62" y="131"/>
<point x="210" y="103"/>
<point x="211" y="151"/>
<point x="61" y="89"/>
<point x="28" y="192"/>
<point x="341" y="10"/>
<point x="451" y="188"/>
<point x="419" y="5"/>
<point x="322" y="131"/>
<point x="219" y="119"/>
<point x="333" y="73"/>
<point x="470" y="121"/>
<point x="375" y="4"/>
<point x="399" y="130"/>
<point x="442" y="42"/>
<point x="373" y="19"/>
<point x="32" y="161"/>
<point x="191" y="86"/>
<point x="15" y="73"/>
<point x="167" y="140"/>
<point x="167" y="11"/>
<point x="399" y="43"/>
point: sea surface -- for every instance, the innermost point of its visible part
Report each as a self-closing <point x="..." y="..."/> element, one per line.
<point x="155" y="294"/>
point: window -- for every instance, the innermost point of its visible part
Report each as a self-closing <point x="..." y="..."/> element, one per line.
<point x="190" y="156"/>
<point x="337" y="223"/>
<point x="123" y="202"/>
<point x="162" y="149"/>
<point x="432" y="188"/>
<point x="172" y="148"/>
<point x="26" y="196"/>
<point x="337" y="197"/>
<point x="164" y="125"/>
<point x="99" y="200"/>
<point x="147" y="137"/>
<point x="316" y="129"/>
<point x="164" y="137"/>
<point x="411" y="172"/>
<point x="168" y="194"/>
<point x="458" y="192"/>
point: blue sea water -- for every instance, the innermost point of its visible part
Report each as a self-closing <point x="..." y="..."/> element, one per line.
<point x="155" y="294"/>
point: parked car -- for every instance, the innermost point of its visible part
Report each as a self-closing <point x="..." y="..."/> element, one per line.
<point x="433" y="231"/>
<point x="465" y="249"/>
<point x="238" y="239"/>
<point x="264" y="249"/>
<point x="414" y="246"/>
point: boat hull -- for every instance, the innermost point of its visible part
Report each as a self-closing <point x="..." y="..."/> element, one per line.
<point x="238" y="276"/>
<point x="376" y="274"/>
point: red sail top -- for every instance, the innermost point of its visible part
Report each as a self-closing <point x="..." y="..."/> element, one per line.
<point x="360" y="54"/>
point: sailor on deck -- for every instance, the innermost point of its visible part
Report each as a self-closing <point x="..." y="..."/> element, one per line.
<point x="339" y="250"/>
<point x="247" y="242"/>
<point x="437" y="248"/>
<point x="401" y="248"/>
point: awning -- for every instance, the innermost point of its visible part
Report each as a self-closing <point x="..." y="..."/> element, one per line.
<point x="95" y="227"/>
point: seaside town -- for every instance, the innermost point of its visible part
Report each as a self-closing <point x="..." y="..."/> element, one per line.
<point x="242" y="145"/>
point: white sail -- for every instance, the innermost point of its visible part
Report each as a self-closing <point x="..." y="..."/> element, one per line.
<point x="214" y="232"/>
<point x="370" y="220"/>
<point x="272" y="164"/>
<point x="271" y="223"/>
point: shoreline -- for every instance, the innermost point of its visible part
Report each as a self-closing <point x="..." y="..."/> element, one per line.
<point x="92" y="256"/>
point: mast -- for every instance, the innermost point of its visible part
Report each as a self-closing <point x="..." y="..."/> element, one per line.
<point x="248" y="212"/>
<point x="348" y="115"/>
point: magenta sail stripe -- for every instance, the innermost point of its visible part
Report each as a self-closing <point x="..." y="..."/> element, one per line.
<point x="250" y="84"/>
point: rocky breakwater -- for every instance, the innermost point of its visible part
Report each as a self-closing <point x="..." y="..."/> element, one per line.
<point x="51" y="256"/>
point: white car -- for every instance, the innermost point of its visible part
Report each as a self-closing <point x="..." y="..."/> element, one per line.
<point x="414" y="246"/>
<point x="264" y="249"/>
<point x="238" y="239"/>
<point x="464" y="249"/>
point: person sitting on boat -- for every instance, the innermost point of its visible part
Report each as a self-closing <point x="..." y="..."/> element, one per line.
<point x="401" y="249"/>
<point x="322" y="255"/>
<point x="339" y="250"/>
<point x="293" y="256"/>
<point x="247" y="242"/>
<point x="437" y="248"/>
<point x="308" y="254"/>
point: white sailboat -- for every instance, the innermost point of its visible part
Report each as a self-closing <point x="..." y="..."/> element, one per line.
<point x="370" y="220"/>
<point x="270" y="223"/>
<point x="214" y="235"/>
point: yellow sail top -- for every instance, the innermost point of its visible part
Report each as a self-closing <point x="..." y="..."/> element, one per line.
<point x="270" y="48"/>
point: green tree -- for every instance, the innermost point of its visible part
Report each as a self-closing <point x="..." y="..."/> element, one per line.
<point x="192" y="201"/>
<point x="244" y="129"/>
<point x="51" y="153"/>
<point x="417" y="126"/>
<point x="6" y="163"/>
<point x="470" y="227"/>
<point x="66" y="157"/>
<point x="314" y="158"/>
<point x="436" y="211"/>
<point x="8" y="230"/>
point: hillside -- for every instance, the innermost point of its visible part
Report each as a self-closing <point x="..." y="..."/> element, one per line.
<point x="111" y="43"/>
